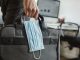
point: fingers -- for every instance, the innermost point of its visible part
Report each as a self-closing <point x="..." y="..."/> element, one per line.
<point x="35" y="15"/>
<point x="31" y="10"/>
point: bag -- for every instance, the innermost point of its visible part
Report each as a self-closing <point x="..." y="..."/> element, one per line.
<point x="69" y="46"/>
<point x="67" y="52"/>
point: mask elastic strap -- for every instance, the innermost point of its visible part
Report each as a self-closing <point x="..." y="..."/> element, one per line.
<point x="38" y="56"/>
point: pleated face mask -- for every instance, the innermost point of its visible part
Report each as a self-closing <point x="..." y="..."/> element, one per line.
<point x="34" y="35"/>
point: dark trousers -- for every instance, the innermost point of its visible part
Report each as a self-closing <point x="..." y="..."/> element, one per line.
<point x="11" y="9"/>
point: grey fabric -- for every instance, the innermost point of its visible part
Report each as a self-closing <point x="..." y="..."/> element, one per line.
<point x="19" y="52"/>
<point x="12" y="36"/>
<point x="8" y="32"/>
<point x="15" y="52"/>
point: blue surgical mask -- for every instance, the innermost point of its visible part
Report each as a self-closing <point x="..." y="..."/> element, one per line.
<point x="34" y="35"/>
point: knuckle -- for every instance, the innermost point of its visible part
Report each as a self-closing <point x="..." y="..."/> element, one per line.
<point x="34" y="9"/>
<point x="29" y="9"/>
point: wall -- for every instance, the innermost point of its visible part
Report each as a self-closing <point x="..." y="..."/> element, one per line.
<point x="70" y="9"/>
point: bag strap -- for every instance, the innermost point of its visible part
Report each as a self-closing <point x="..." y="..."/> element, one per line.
<point x="75" y="25"/>
<point x="41" y="22"/>
<point x="70" y="23"/>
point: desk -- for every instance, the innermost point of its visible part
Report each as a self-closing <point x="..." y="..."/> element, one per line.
<point x="64" y="26"/>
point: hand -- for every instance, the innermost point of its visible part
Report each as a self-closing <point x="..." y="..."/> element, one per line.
<point x="30" y="8"/>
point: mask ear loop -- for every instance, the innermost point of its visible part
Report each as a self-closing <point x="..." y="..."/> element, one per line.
<point x="37" y="58"/>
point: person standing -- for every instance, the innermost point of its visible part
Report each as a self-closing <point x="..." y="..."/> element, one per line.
<point x="12" y="11"/>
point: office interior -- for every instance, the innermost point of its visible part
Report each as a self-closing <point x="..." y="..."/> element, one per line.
<point x="61" y="37"/>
